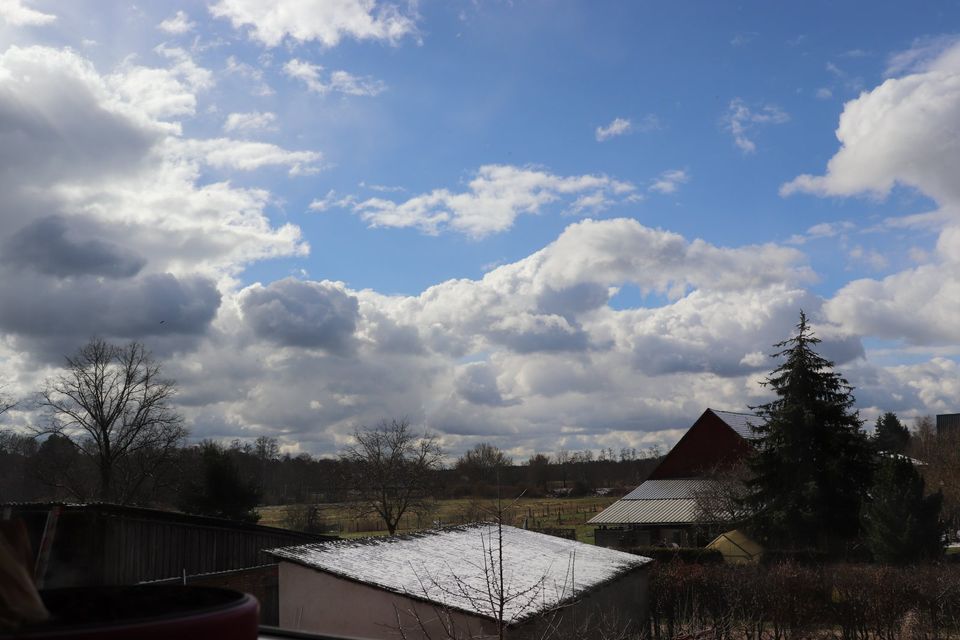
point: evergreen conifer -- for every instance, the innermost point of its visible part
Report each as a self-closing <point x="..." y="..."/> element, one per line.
<point x="891" y="435"/>
<point x="900" y="524"/>
<point x="812" y="462"/>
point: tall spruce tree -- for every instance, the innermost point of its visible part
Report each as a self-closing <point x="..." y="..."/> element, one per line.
<point x="812" y="462"/>
<point x="900" y="524"/>
<point x="891" y="435"/>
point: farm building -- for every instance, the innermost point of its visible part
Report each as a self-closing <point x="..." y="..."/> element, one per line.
<point x="664" y="509"/>
<point x="445" y="583"/>
<point x="107" y="544"/>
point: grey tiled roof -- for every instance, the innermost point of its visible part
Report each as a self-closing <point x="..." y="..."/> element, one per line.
<point x="740" y="422"/>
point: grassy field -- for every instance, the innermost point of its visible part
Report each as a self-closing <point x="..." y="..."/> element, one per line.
<point x="340" y="518"/>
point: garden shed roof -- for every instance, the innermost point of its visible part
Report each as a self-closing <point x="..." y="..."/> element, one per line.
<point x="451" y="566"/>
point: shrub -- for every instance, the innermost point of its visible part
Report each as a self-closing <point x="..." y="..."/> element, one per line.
<point x="790" y="601"/>
<point x="695" y="555"/>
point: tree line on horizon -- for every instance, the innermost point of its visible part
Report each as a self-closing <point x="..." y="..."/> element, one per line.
<point x="111" y="434"/>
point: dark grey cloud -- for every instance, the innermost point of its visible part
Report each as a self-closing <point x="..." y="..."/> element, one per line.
<point x="392" y="337"/>
<point x="309" y="390"/>
<point x="63" y="247"/>
<point x="52" y="124"/>
<point x="477" y="384"/>
<point x="660" y="355"/>
<point x="577" y="298"/>
<point x="841" y="350"/>
<point x="291" y="312"/>
<point x="155" y="304"/>
<point x="539" y="333"/>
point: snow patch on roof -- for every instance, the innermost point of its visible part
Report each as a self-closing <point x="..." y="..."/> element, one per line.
<point x="452" y="567"/>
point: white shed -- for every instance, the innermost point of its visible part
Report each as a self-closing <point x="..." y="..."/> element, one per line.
<point x="446" y="583"/>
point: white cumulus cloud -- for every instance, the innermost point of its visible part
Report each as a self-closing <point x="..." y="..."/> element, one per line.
<point x="252" y="121"/>
<point x="18" y="14"/>
<point x="669" y="181"/>
<point x="105" y="210"/>
<point x="225" y="153"/>
<point x="340" y="81"/>
<point x="495" y="196"/>
<point x="323" y="21"/>
<point x="902" y="132"/>
<point x="619" y="127"/>
<point x="742" y="120"/>
<point x="177" y="24"/>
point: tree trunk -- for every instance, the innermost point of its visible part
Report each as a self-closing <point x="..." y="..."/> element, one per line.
<point x="106" y="477"/>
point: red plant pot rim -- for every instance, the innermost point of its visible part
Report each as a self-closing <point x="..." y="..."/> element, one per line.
<point x="177" y="612"/>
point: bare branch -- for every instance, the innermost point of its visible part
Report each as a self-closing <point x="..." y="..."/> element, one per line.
<point x="392" y="469"/>
<point x="113" y="404"/>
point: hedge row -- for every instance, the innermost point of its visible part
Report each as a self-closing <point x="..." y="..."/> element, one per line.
<point x="793" y="601"/>
<point x="681" y="554"/>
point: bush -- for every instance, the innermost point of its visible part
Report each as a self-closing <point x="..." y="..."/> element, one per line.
<point x="695" y="555"/>
<point x="304" y="517"/>
<point x="806" y="557"/>
<point x="791" y="600"/>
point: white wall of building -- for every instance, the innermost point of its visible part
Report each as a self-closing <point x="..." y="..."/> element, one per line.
<point x="318" y="602"/>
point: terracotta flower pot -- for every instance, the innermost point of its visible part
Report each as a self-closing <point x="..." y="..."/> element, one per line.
<point x="146" y="612"/>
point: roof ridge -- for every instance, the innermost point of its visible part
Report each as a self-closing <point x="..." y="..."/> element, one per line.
<point x="398" y="537"/>
<point x="736" y="413"/>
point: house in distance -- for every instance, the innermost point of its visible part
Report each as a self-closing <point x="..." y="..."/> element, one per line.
<point x="445" y="583"/>
<point x="664" y="509"/>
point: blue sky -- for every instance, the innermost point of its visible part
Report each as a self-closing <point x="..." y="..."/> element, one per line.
<point x="546" y="224"/>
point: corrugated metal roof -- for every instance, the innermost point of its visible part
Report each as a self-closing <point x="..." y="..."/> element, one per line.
<point x="447" y="566"/>
<point x="648" y="512"/>
<point x="740" y="422"/>
<point x="677" y="489"/>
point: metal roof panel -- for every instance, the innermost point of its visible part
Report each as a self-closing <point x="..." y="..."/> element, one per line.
<point x="648" y="512"/>
<point x="674" y="489"/>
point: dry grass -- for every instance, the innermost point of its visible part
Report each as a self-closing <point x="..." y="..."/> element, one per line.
<point x="342" y="518"/>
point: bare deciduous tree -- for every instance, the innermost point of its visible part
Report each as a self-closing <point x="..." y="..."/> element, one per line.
<point x="113" y="405"/>
<point x="940" y="457"/>
<point x="489" y="588"/>
<point x="720" y="498"/>
<point x="6" y="402"/>
<point x="493" y="595"/>
<point x="391" y="468"/>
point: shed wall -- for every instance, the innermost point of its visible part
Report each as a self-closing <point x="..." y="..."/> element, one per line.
<point x="318" y="602"/>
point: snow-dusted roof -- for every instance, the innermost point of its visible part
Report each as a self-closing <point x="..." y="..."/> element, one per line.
<point x="740" y="422"/>
<point x="661" y="512"/>
<point x="676" y="489"/>
<point x="451" y="566"/>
